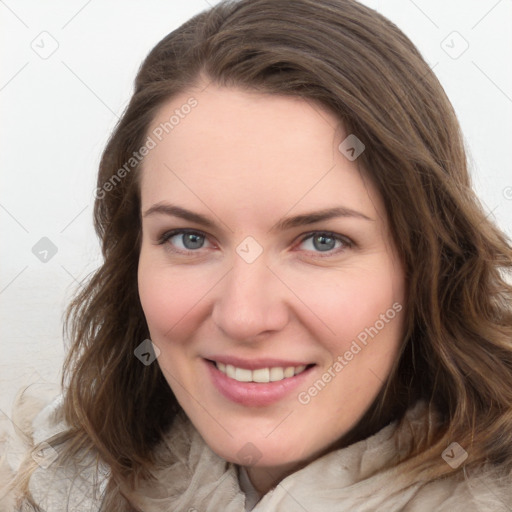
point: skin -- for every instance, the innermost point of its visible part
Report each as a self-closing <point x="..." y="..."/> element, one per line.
<point x="247" y="160"/>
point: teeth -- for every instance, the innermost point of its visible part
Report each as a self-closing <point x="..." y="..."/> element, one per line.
<point x="261" y="374"/>
<point x="276" y="374"/>
<point x="243" y="375"/>
<point x="230" y="371"/>
<point x="290" y="371"/>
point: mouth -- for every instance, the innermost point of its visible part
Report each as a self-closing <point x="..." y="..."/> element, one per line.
<point x="267" y="382"/>
<point x="261" y="375"/>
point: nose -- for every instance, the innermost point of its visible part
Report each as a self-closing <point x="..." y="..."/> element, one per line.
<point x="250" y="302"/>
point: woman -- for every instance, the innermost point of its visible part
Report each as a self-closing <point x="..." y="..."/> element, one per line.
<point x="302" y="304"/>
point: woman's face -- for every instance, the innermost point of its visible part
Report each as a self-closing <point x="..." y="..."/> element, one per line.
<point x="267" y="274"/>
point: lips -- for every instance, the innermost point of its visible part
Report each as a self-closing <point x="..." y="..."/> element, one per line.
<point x="256" y="382"/>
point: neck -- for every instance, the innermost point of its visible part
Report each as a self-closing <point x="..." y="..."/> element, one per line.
<point x="264" y="479"/>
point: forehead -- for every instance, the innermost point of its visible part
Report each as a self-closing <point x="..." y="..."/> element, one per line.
<point x="251" y="149"/>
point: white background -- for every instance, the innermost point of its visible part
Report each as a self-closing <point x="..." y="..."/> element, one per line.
<point x="57" y="113"/>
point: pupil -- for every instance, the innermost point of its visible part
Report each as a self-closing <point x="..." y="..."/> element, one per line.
<point x="192" y="241"/>
<point x="321" y="239"/>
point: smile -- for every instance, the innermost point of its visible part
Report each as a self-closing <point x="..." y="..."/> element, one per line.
<point x="262" y="375"/>
<point x="264" y="383"/>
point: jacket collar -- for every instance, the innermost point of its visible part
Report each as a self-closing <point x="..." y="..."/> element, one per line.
<point x="362" y="477"/>
<point x="364" y="474"/>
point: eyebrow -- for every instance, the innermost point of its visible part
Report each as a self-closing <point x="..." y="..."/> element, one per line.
<point x="282" y="225"/>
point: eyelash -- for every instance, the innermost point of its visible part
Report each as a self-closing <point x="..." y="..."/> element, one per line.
<point x="347" y="243"/>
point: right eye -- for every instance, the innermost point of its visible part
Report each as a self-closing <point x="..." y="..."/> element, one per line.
<point x="183" y="240"/>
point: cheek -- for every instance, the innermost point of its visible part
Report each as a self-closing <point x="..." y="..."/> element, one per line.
<point x="367" y="316"/>
<point x="345" y="303"/>
<point x="168" y="300"/>
<point x="372" y="296"/>
<point x="166" y="296"/>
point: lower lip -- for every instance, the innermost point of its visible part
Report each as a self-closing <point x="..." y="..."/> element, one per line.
<point x="255" y="394"/>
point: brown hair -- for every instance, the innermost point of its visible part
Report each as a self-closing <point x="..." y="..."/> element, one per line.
<point x="457" y="354"/>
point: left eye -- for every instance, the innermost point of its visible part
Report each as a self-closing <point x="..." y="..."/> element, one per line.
<point x="323" y="242"/>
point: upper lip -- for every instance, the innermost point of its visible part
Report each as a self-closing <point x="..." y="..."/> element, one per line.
<point x="254" y="364"/>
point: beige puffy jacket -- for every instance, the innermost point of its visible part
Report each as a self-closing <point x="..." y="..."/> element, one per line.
<point x="197" y="480"/>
